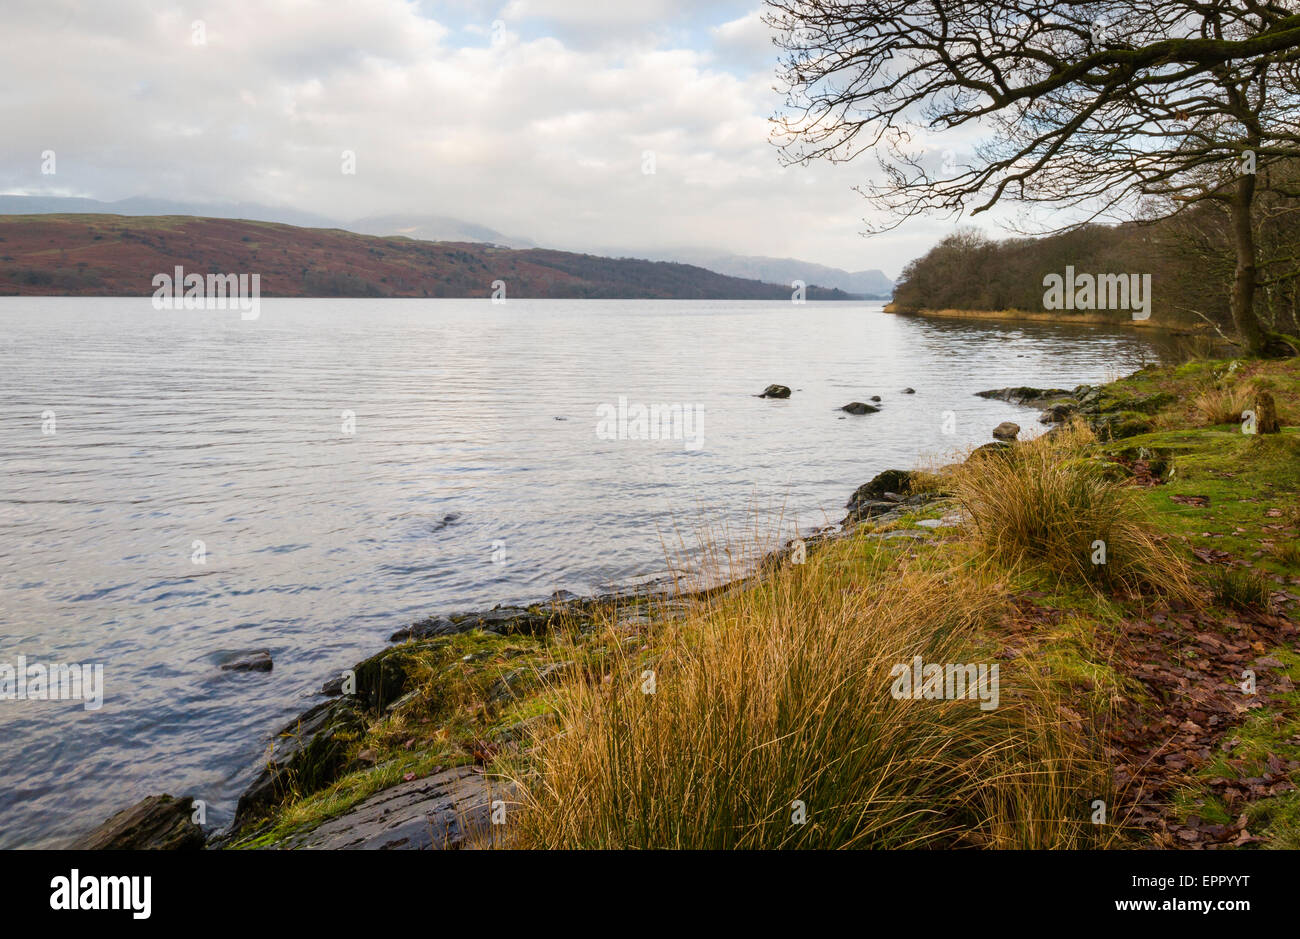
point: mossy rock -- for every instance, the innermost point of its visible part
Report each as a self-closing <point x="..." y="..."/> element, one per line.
<point x="1141" y="404"/>
<point x="1121" y="425"/>
<point x="382" y="678"/>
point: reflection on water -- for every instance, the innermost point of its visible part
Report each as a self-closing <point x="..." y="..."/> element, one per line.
<point x="341" y="467"/>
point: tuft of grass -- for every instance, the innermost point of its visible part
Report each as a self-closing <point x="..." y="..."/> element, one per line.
<point x="780" y="700"/>
<point x="1241" y="588"/>
<point x="1046" y="503"/>
<point x="1221" y="405"/>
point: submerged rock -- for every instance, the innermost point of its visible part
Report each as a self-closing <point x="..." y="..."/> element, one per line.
<point x="858" y="407"/>
<point x="775" y="391"/>
<point x="908" y="391"/>
<point x="158" y="823"/>
<point x="254" y="660"/>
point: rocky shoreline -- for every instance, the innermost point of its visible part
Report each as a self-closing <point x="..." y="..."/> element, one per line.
<point x="449" y="808"/>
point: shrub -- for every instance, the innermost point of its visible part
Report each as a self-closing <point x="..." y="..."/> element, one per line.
<point x="1047" y="503"/>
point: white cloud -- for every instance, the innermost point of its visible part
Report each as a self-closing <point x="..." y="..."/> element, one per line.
<point x="534" y="135"/>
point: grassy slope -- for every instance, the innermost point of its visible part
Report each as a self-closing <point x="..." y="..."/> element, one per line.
<point x="113" y="255"/>
<point x="1142" y="690"/>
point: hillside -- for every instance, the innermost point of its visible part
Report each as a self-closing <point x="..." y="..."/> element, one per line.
<point x="114" y="255"/>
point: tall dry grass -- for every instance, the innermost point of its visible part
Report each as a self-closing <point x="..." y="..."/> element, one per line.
<point x="1049" y="504"/>
<point x="778" y="696"/>
<point x="1222" y="405"/>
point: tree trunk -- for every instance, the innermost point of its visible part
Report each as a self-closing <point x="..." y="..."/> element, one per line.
<point x="1243" y="285"/>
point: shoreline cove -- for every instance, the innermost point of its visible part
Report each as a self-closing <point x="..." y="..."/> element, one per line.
<point x="436" y="740"/>
<point x="308" y="743"/>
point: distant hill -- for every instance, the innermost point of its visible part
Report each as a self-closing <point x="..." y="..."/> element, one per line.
<point x="115" y="255"/>
<point x="147" y="205"/>
<point x="872" y="284"/>
<point x="434" y="228"/>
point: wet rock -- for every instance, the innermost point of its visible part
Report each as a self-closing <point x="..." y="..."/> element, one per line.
<point x="1023" y="394"/>
<point x="506" y="620"/>
<point x="427" y="628"/>
<point x="253" y="660"/>
<point x="158" y="823"/>
<point x="1057" y="413"/>
<point x="858" y="407"/>
<point x="908" y="391"/>
<point x="891" y="480"/>
<point x="305" y="755"/>
<point x="1007" y="430"/>
<point x="875" y="398"/>
<point x="333" y="687"/>
<point x="310" y="751"/>
<point x="564" y="596"/>
<point x="882" y="494"/>
<point x="447" y="810"/>
<point x="775" y="391"/>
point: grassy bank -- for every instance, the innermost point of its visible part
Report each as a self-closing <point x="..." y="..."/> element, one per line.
<point x="1137" y="595"/>
<point x="1043" y="316"/>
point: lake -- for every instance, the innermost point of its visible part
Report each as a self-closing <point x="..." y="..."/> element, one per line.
<point x="181" y="485"/>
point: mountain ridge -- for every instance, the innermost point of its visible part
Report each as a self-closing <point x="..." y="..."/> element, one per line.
<point x="869" y="284"/>
<point x="97" y="254"/>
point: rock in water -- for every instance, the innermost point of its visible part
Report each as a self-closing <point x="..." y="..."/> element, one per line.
<point x="1023" y="394"/>
<point x="1007" y="430"/>
<point x="158" y="823"/>
<point x="857" y="407"/>
<point x="908" y="391"/>
<point x="258" y="660"/>
<point x="775" y="391"/>
<point x="1266" y="414"/>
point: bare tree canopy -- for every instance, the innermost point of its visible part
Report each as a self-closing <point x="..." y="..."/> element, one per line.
<point x="1104" y="107"/>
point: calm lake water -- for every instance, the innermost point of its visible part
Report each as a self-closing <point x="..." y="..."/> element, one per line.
<point x="473" y="474"/>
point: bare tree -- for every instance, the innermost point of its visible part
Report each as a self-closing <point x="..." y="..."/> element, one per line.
<point x="1103" y="108"/>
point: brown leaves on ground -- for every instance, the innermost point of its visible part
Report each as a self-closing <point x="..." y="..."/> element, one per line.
<point x="1190" y="666"/>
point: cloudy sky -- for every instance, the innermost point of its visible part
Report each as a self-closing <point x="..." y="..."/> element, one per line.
<point x="533" y="117"/>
